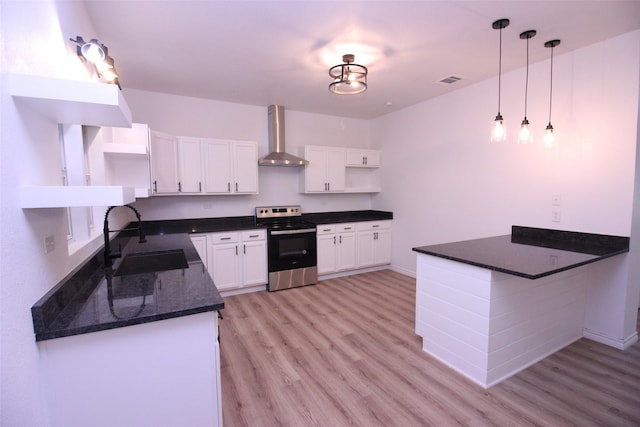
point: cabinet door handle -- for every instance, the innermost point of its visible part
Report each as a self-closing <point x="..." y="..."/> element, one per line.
<point x="236" y="249"/>
<point x="347" y="228"/>
<point x="244" y="249"/>
<point x="334" y="240"/>
<point x="326" y="229"/>
<point x="155" y="186"/>
<point x="340" y="239"/>
<point x="228" y="187"/>
<point x="236" y="187"/>
<point x="329" y="186"/>
<point x="375" y="226"/>
<point x="254" y="236"/>
<point x="179" y="187"/>
<point x="200" y="187"/>
<point x="225" y="238"/>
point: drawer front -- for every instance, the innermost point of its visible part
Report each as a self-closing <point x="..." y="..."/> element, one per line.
<point x="374" y="225"/>
<point x="253" y="235"/>
<point x="346" y="228"/>
<point x="325" y="229"/>
<point x="225" y="237"/>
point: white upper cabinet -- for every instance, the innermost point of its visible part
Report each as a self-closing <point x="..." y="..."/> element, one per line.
<point x="190" y="165"/>
<point x="363" y="158"/>
<point x="164" y="163"/>
<point x="230" y="167"/>
<point x="217" y="169"/>
<point x="245" y="165"/>
<point x="325" y="172"/>
<point x="340" y="170"/>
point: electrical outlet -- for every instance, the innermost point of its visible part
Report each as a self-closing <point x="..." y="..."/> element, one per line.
<point x="555" y="215"/>
<point x="49" y="244"/>
<point x="555" y="200"/>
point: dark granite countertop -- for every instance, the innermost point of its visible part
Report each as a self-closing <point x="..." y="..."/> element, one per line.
<point x="200" y="225"/>
<point x="91" y="299"/>
<point x="531" y="252"/>
<point x="346" y="216"/>
<point x="94" y="299"/>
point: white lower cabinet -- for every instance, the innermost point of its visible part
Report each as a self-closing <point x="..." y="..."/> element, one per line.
<point x="374" y="243"/>
<point x="336" y="247"/>
<point x="350" y="246"/>
<point x="164" y="373"/>
<point x="235" y="259"/>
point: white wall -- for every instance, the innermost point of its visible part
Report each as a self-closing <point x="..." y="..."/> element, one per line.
<point x="186" y="116"/>
<point x="34" y="41"/>
<point x="456" y="185"/>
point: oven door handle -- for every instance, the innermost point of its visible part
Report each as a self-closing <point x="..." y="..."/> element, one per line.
<point x="301" y="231"/>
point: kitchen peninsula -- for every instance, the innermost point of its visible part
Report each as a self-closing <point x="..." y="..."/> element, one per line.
<point x="490" y="307"/>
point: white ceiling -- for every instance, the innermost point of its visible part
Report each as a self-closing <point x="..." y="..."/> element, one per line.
<point x="279" y="52"/>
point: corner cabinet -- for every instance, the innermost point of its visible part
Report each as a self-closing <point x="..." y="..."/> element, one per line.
<point x="236" y="260"/>
<point x="340" y="170"/>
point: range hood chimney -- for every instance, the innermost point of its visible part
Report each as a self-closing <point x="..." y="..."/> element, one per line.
<point x="278" y="156"/>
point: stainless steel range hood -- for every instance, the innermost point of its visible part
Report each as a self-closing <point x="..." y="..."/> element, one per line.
<point x="278" y="156"/>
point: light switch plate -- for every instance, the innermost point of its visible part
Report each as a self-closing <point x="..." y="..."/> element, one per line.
<point x="49" y="244"/>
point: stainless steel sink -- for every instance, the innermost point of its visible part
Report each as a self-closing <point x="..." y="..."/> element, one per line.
<point x="148" y="262"/>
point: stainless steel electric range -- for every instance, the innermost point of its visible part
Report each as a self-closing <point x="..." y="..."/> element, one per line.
<point x="292" y="256"/>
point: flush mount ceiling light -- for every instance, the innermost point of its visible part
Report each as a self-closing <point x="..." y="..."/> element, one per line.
<point x="348" y="78"/>
<point x="526" y="136"/>
<point x="548" y="135"/>
<point x="96" y="54"/>
<point x="499" y="133"/>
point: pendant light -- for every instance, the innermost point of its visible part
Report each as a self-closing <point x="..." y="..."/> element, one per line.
<point x="548" y="135"/>
<point x="526" y="136"/>
<point x="348" y="78"/>
<point x="498" y="131"/>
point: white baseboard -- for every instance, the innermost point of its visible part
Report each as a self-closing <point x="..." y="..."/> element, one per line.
<point x="620" y="344"/>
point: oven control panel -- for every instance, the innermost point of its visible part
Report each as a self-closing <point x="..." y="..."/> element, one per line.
<point x="278" y="211"/>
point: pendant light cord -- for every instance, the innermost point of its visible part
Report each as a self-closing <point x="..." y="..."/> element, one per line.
<point x="526" y="84"/>
<point x="499" y="70"/>
<point x="551" y="86"/>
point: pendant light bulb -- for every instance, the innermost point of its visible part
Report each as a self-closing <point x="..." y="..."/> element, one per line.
<point x="525" y="136"/>
<point x="548" y="136"/>
<point x="498" y="131"/>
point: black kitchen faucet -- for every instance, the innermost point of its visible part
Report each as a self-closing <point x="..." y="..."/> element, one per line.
<point x="108" y="256"/>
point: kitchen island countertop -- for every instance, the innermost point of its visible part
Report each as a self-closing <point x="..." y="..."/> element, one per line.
<point x="529" y="252"/>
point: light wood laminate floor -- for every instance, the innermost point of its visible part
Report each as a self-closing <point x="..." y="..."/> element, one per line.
<point x="344" y="353"/>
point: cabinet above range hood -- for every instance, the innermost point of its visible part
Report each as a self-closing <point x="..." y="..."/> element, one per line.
<point x="278" y="156"/>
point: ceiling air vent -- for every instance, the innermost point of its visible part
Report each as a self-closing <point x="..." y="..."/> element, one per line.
<point x="449" y="80"/>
